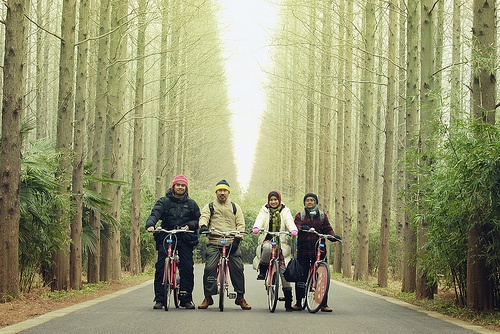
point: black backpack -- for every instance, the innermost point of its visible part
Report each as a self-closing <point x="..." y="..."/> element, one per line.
<point x="321" y="215"/>
<point x="211" y="207"/>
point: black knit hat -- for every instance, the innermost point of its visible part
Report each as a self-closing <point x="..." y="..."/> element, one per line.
<point x="311" y="195"/>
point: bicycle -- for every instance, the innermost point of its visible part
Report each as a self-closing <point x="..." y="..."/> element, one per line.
<point x="273" y="275"/>
<point x="170" y="281"/>
<point x="222" y="266"/>
<point x="318" y="278"/>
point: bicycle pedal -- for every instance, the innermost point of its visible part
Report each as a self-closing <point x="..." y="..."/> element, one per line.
<point x="231" y="295"/>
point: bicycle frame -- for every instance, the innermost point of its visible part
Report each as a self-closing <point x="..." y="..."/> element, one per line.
<point x="272" y="263"/>
<point x="222" y="276"/>
<point x="170" y="269"/>
<point x="320" y="244"/>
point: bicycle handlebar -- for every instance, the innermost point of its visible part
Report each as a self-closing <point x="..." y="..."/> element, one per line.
<point x="324" y="236"/>
<point x="262" y="231"/>
<point x="223" y="233"/>
<point x="174" y="231"/>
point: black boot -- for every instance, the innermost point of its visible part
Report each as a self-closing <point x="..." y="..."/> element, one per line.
<point x="288" y="300"/>
<point x="186" y="300"/>
<point x="262" y="272"/>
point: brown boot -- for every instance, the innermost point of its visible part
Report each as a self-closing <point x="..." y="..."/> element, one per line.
<point x="298" y="305"/>
<point x="206" y="303"/>
<point x="243" y="304"/>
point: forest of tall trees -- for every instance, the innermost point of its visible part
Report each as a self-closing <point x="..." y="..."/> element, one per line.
<point x="386" y="109"/>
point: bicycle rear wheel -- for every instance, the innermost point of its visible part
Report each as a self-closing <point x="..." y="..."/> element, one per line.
<point x="166" y="283"/>
<point x="222" y="283"/>
<point x="317" y="288"/>
<point x="273" y="285"/>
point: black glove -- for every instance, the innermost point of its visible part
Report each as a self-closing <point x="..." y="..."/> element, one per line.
<point x="203" y="228"/>
<point x="235" y="245"/>
<point x="304" y="227"/>
<point x="334" y="238"/>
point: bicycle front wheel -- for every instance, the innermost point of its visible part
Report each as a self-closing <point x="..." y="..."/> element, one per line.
<point x="222" y="283"/>
<point x="166" y="283"/>
<point x="176" y="288"/>
<point x="317" y="287"/>
<point x="273" y="285"/>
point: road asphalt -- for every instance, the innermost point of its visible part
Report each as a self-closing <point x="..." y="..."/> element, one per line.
<point x="354" y="311"/>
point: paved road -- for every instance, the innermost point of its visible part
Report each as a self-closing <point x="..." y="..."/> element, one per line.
<point x="130" y="311"/>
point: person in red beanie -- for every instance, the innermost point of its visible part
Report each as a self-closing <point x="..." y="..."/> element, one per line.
<point x="176" y="210"/>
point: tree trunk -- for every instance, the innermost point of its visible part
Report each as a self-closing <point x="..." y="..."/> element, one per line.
<point x="135" y="210"/>
<point x="110" y="257"/>
<point x="412" y="122"/>
<point x="456" y="82"/>
<point x="484" y="61"/>
<point x="161" y="141"/>
<point x="365" y="144"/>
<point x="325" y="118"/>
<point x="11" y="147"/>
<point x="41" y="78"/>
<point x="325" y="169"/>
<point x="401" y="134"/>
<point x="479" y="290"/>
<point x="339" y="149"/>
<point x="94" y="274"/>
<point x="294" y="118"/>
<point x="348" y="155"/>
<point x="173" y="91"/>
<point x="428" y="110"/>
<point x="378" y="125"/>
<point x="385" y="221"/>
<point x="310" y="121"/>
<point x="79" y="143"/>
<point x="61" y="266"/>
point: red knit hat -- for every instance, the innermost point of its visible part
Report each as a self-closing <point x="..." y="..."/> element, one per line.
<point x="179" y="179"/>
